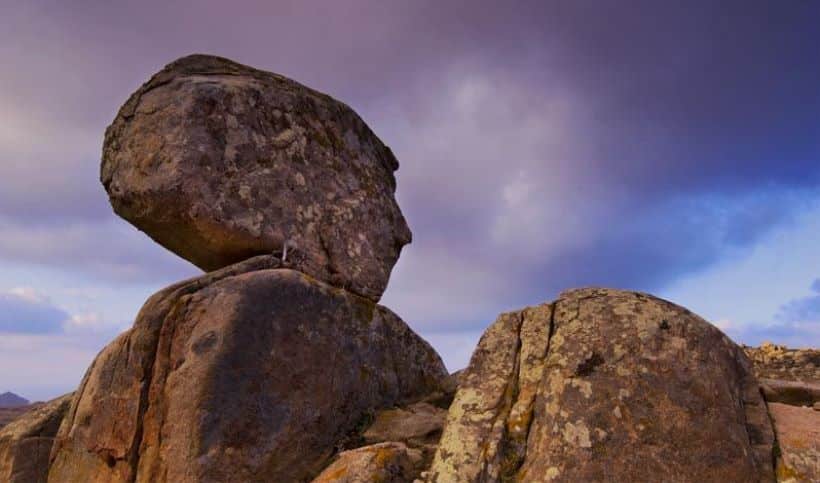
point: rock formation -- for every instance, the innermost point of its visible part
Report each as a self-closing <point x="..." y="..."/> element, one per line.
<point x="604" y="385"/>
<point x="798" y="442"/>
<point x="25" y="443"/>
<point x="278" y="365"/>
<point x="219" y="162"/>
<point x="249" y="373"/>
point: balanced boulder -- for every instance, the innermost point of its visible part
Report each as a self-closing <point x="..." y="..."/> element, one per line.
<point x="25" y="443"/>
<point x="605" y="385"/>
<point x="249" y="373"/>
<point x="219" y="162"/>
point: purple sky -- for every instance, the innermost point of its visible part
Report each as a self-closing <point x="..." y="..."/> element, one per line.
<point x="669" y="147"/>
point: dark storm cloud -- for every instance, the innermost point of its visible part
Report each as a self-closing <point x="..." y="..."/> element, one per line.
<point x="27" y="315"/>
<point x="543" y="144"/>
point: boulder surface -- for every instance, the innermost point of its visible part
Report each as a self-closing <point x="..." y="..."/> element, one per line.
<point x="605" y="385"/>
<point x="378" y="463"/>
<point x="795" y="393"/>
<point x="25" y="443"/>
<point x="249" y="373"/>
<point x="798" y="443"/>
<point x="219" y="162"/>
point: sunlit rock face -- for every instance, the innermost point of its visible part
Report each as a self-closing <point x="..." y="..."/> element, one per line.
<point x="798" y="442"/>
<point x="219" y="162"/>
<point x="605" y="385"/>
<point x="249" y="373"/>
<point x="25" y="443"/>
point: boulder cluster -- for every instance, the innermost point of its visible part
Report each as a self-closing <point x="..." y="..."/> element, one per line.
<point x="279" y="365"/>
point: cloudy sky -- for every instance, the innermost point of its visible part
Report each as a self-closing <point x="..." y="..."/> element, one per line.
<point x="669" y="147"/>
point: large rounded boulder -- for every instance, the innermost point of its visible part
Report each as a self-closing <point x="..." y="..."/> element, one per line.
<point x="605" y="385"/>
<point x="219" y="162"/>
<point x="249" y="373"/>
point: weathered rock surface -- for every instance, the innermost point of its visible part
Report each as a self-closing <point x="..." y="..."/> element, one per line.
<point x="795" y="393"/>
<point x="8" y="415"/>
<point x="417" y="425"/>
<point x="798" y="442"/>
<point x="605" y="385"/>
<point x="219" y="162"/>
<point x="378" y="463"/>
<point x="25" y="443"/>
<point x="773" y="361"/>
<point x="249" y="373"/>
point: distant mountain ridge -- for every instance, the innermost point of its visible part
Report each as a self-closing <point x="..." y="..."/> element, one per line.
<point x="11" y="400"/>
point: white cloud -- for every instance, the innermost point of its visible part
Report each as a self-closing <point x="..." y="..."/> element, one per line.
<point x="753" y="288"/>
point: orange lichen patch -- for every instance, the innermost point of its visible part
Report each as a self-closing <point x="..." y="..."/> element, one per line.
<point x="335" y="473"/>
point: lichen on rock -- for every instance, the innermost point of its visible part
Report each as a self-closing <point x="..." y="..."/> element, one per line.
<point x="605" y="385"/>
<point x="249" y="373"/>
<point x="220" y="162"/>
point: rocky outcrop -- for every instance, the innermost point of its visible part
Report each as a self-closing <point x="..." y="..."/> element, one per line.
<point x="278" y="365"/>
<point x="773" y="361"/>
<point x="25" y="443"/>
<point x="219" y="162"/>
<point x="249" y="373"/>
<point x="798" y="442"/>
<point x="605" y="385"/>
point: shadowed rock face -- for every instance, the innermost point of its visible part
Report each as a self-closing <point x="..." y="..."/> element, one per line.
<point x="219" y="162"/>
<point x="25" y="443"/>
<point x="250" y="373"/>
<point x="605" y="385"/>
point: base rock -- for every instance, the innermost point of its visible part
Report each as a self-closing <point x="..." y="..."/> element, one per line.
<point x="251" y="373"/>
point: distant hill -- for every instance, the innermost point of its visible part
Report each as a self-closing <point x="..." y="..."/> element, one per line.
<point x="11" y="400"/>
